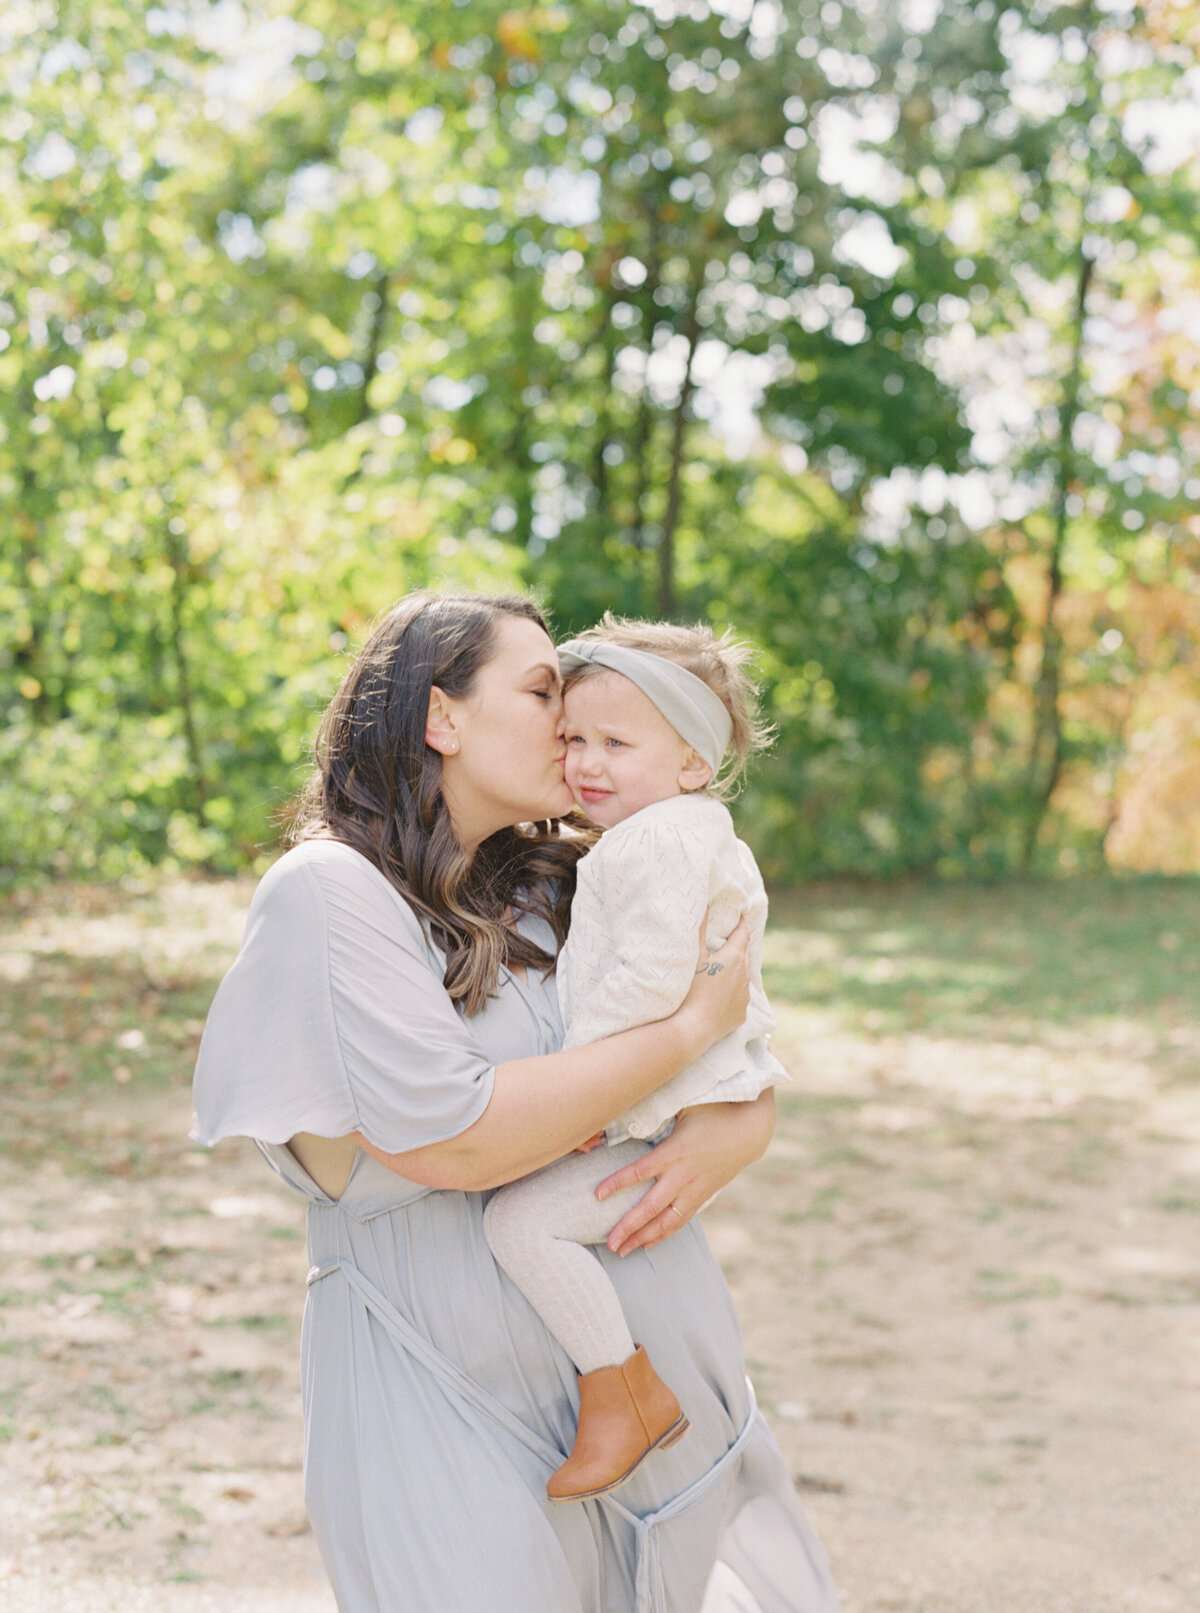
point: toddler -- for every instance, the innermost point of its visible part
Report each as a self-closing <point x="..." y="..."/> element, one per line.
<point x="653" y="711"/>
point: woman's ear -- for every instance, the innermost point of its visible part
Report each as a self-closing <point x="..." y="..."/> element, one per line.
<point x="694" y="774"/>
<point x="440" y="732"/>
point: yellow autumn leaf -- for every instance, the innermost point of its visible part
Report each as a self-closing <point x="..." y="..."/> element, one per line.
<point x="335" y="342"/>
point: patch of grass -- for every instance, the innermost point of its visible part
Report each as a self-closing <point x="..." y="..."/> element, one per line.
<point x="117" y="1303"/>
<point x="1089" y="1157"/>
<point x="814" y="1103"/>
<point x="1007" y="1287"/>
<point x="173" y="1502"/>
<point x="80" y="1022"/>
<point x="254" y="1320"/>
<point x="117" y="1256"/>
<point x="848" y="1154"/>
<point x="821" y="1207"/>
<point x="99" y="1397"/>
<point x="67" y="1525"/>
<point x="1015" y="958"/>
<point x="230" y="1378"/>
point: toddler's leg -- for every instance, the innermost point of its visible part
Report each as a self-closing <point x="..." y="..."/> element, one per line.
<point x="538" y="1229"/>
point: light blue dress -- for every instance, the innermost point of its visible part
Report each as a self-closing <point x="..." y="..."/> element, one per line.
<point x="436" y="1404"/>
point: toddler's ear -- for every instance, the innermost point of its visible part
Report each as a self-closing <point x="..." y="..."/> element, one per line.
<point x="694" y="774"/>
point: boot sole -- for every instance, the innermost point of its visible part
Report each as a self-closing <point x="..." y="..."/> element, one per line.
<point x="663" y="1443"/>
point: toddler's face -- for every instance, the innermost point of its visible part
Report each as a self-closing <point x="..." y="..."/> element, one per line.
<point x="622" y="753"/>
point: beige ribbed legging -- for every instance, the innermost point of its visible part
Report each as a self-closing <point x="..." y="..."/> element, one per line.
<point x="539" y="1228"/>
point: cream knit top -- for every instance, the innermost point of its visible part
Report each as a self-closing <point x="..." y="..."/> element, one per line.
<point x="642" y="893"/>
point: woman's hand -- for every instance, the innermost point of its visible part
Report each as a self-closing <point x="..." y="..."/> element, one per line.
<point x="719" y="997"/>
<point x="708" y="1147"/>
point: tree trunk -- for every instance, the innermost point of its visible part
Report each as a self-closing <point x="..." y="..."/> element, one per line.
<point x="608" y="344"/>
<point x="1044" y="766"/>
<point x="184" y="693"/>
<point x="640" y="454"/>
<point x="525" y="302"/>
<point x="666" y="545"/>
<point x="643" y="430"/>
<point x="29" y="657"/>
<point x="370" y="363"/>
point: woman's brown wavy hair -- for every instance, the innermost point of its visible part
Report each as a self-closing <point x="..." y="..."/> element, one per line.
<point x="377" y="786"/>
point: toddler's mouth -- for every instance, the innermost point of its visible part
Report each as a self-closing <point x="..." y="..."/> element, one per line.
<point x="592" y="796"/>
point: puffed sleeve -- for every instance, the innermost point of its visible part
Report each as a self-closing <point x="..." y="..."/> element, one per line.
<point x="334" y="1018"/>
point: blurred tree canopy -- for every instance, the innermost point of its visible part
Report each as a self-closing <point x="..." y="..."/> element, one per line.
<point x="870" y="329"/>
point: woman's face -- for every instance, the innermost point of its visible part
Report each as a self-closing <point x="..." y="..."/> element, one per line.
<point x="503" y="759"/>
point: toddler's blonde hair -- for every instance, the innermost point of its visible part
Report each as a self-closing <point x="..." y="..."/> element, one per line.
<point x="720" y="660"/>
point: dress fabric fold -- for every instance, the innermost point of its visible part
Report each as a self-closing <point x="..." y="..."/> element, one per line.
<point x="423" y="1498"/>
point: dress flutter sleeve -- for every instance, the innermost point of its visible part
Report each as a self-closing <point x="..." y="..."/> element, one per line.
<point x="333" y="1017"/>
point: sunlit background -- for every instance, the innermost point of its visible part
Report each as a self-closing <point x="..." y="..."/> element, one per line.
<point x="872" y="330"/>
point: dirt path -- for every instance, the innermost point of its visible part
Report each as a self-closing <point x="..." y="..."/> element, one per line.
<point x="968" y="1272"/>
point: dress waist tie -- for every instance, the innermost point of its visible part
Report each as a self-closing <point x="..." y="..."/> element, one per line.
<point x="651" y="1594"/>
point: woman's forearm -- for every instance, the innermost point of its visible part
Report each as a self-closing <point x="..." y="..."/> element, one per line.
<point x="542" y="1108"/>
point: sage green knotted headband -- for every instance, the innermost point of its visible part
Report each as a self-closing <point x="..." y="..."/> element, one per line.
<point x="694" y="711"/>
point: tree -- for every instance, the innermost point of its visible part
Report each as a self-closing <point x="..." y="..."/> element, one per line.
<point x="803" y="317"/>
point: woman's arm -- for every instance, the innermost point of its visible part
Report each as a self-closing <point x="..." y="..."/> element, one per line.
<point x="709" y="1146"/>
<point x="542" y="1108"/>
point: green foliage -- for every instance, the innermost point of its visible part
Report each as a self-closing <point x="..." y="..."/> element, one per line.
<point x="651" y="308"/>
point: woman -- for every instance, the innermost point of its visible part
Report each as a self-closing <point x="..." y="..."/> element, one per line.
<point x="389" y="1037"/>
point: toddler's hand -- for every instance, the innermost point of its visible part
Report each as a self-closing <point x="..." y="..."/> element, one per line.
<point x="592" y="1142"/>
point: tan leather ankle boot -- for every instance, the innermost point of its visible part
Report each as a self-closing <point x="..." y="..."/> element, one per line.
<point x="625" y="1412"/>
